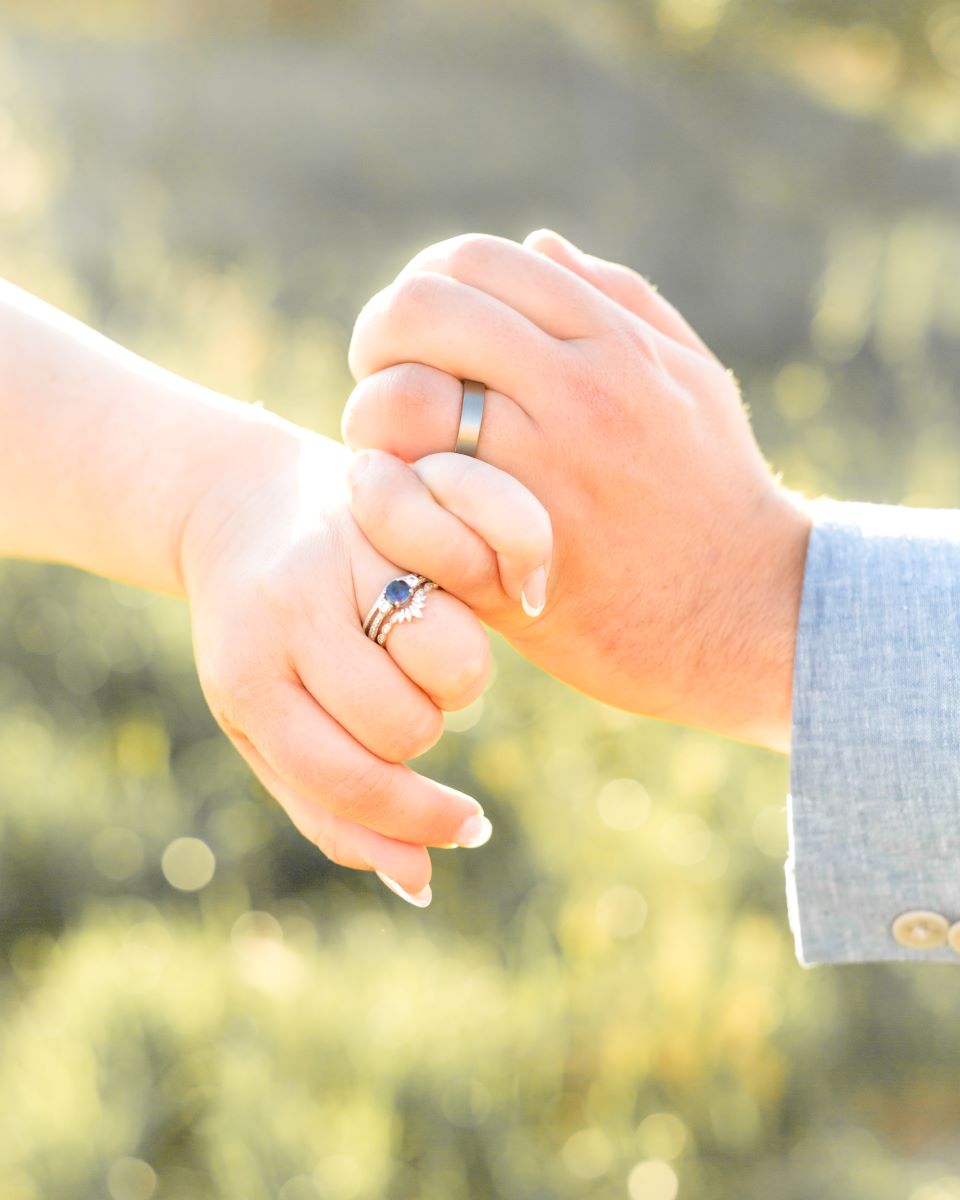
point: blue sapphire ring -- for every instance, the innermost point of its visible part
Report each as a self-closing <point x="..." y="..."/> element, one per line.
<point x="401" y="600"/>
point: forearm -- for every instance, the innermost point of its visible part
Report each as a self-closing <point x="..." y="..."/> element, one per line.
<point x="103" y="456"/>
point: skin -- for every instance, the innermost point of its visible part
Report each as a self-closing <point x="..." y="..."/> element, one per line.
<point x="678" y="560"/>
<point x="113" y="465"/>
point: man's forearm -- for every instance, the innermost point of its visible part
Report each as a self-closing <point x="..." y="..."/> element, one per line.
<point x="102" y="454"/>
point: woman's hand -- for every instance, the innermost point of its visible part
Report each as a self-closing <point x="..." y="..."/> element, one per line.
<point x="280" y="578"/>
<point x="116" y="466"/>
<point x="679" y="560"/>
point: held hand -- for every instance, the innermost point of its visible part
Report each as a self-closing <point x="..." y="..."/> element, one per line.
<point x="280" y="580"/>
<point x="116" y="466"/>
<point x="678" y="563"/>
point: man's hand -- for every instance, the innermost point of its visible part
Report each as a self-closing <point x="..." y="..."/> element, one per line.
<point x="678" y="561"/>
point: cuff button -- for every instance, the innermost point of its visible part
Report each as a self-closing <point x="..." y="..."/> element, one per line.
<point x="922" y="929"/>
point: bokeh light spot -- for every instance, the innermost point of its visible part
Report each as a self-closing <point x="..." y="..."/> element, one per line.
<point x="131" y="1179"/>
<point x="652" y="1180"/>
<point x="340" y="1176"/>
<point x="662" y="1136"/>
<point x="621" y="911"/>
<point x="623" y="804"/>
<point x="188" y="864"/>
<point x="770" y="831"/>
<point x="685" y="839"/>
<point x="465" y="718"/>
<point x="587" y="1154"/>
<point x="263" y="960"/>
<point x="142" y="748"/>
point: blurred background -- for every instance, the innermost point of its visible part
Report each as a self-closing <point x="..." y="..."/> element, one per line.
<point x="604" y="1003"/>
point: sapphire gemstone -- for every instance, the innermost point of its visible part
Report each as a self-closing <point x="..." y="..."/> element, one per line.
<point x="397" y="591"/>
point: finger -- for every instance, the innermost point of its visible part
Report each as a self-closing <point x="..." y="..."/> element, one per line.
<point x="495" y="505"/>
<point x="620" y="284"/>
<point x="344" y="842"/>
<point x="430" y="318"/>
<point x="412" y="410"/>
<point x="314" y="755"/>
<point x="442" y="647"/>
<point x="474" y="529"/>
<point x="398" y="515"/>
<point x="366" y="692"/>
<point x="545" y="292"/>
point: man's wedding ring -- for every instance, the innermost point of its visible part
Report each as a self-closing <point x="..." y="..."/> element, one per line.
<point x="403" y="599"/>
<point x="471" y="418"/>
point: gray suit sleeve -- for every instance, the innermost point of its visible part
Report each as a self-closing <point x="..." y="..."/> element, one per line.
<point x="874" y="806"/>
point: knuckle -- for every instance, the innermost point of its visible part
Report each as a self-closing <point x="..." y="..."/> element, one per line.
<point x="469" y="254"/>
<point x="236" y="691"/>
<point x="364" y="793"/>
<point x="640" y="341"/>
<point x="419" y="731"/>
<point x="412" y="298"/>
<point x="467" y="679"/>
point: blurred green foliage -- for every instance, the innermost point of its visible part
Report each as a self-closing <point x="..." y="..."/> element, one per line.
<point x="604" y="1003"/>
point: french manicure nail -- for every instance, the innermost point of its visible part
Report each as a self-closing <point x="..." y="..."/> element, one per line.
<point x="533" y="593"/>
<point x="418" y="899"/>
<point x="358" y="465"/>
<point x="474" y="832"/>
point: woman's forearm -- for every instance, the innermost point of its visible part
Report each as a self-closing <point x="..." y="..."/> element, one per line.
<point x="116" y="466"/>
<point x="103" y="456"/>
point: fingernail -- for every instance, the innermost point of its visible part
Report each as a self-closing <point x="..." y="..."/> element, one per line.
<point x="418" y="899"/>
<point x="474" y="832"/>
<point x="358" y="465"/>
<point x="533" y="593"/>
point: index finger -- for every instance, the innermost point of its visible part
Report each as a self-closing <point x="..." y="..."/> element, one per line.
<point x="430" y="318"/>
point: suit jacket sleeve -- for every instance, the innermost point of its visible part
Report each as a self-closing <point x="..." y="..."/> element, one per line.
<point x="874" y="805"/>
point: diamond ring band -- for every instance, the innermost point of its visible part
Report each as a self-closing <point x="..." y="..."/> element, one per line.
<point x="403" y="599"/>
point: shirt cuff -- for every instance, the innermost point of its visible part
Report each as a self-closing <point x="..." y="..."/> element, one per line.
<point x="874" y="805"/>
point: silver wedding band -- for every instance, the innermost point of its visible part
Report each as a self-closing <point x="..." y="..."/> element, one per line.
<point x="471" y="418"/>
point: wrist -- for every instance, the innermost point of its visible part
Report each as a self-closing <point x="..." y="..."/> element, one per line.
<point x="250" y="447"/>
<point x="758" y="655"/>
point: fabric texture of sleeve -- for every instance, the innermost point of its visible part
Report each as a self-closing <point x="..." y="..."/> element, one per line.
<point x="874" y="805"/>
